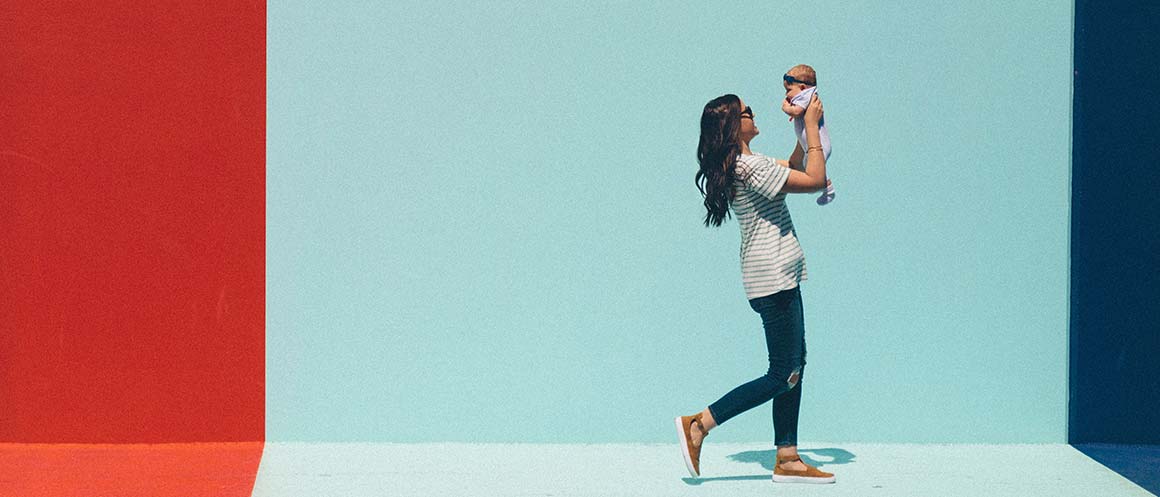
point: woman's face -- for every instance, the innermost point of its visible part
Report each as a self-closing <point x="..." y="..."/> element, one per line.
<point x="748" y="127"/>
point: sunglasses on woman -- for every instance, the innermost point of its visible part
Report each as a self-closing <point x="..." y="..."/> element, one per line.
<point x="748" y="112"/>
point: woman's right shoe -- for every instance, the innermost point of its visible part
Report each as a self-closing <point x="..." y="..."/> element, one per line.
<point x="808" y="475"/>
<point x="692" y="454"/>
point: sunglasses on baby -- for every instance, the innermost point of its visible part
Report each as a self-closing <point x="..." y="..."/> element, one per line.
<point x="792" y="80"/>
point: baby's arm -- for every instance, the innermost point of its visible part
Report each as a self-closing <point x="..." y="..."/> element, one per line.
<point x="792" y="110"/>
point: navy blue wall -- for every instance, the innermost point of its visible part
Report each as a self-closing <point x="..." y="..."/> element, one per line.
<point x="1115" y="224"/>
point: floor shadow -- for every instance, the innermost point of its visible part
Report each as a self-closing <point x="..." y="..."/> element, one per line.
<point x="1137" y="463"/>
<point x="698" y="481"/>
<point x="814" y="457"/>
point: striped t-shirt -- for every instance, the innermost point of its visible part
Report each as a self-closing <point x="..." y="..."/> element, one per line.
<point x="771" y="258"/>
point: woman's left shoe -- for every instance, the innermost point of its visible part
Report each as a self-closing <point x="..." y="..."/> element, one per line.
<point x="691" y="452"/>
<point x="808" y="475"/>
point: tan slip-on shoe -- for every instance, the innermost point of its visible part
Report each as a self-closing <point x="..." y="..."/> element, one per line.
<point x="692" y="454"/>
<point x="808" y="475"/>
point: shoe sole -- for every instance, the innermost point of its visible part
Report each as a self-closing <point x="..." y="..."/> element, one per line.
<point x="685" y="447"/>
<point x="802" y="479"/>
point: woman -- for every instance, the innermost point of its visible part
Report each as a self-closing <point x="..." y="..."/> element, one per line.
<point x="772" y="265"/>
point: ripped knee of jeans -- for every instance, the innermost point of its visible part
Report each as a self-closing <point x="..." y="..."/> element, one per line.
<point x="794" y="377"/>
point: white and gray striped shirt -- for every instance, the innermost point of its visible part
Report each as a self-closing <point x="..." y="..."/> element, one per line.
<point x="771" y="258"/>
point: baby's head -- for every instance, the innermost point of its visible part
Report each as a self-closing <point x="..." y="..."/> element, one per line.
<point x="798" y="78"/>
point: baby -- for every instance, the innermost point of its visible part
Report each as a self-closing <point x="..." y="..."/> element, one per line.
<point x="800" y="85"/>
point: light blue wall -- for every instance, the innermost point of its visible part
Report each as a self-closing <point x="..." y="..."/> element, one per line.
<point x="482" y="223"/>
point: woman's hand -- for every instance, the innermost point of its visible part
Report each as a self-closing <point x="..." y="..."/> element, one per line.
<point x="814" y="111"/>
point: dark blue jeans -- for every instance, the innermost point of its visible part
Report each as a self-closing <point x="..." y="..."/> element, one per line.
<point x="781" y="316"/>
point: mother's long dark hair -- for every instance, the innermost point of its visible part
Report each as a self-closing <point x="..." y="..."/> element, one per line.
<point x="717" y="154"/>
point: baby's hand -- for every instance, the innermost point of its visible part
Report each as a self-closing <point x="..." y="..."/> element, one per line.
<point x="791" y="110"/>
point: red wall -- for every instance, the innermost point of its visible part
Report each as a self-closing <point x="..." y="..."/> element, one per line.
<point x="132" y="221"/>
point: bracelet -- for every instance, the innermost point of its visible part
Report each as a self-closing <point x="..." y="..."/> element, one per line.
<point x="811" y="149"/>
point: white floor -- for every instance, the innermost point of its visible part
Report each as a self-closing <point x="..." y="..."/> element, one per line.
<point x="461" y="470"/>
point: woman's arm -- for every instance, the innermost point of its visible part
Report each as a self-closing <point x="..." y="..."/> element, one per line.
<point x="795" y="158"/>
<point x="814" y="177"/>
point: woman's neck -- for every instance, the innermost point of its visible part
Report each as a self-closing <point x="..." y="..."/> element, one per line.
<point x="745" y="148"/>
